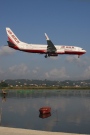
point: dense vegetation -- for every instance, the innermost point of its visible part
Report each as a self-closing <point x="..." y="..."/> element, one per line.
<point x="3" y="84"/>
<point x="44" y="84"/>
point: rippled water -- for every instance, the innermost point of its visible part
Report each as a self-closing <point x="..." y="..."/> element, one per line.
<point x="70" y="110"/>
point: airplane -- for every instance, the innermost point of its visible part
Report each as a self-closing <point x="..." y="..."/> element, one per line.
<point x="49" y="50"/>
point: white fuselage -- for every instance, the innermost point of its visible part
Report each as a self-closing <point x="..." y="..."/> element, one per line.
<point x="61" y="49"/>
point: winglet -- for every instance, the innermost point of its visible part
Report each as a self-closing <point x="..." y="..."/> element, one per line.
<point x="47" y="38"/>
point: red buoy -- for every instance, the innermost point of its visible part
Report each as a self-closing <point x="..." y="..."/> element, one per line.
<point x="45" y="110"/>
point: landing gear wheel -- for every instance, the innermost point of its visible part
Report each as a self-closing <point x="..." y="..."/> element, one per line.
<point x="78" y="56"/>
<point x="46" y="56"/>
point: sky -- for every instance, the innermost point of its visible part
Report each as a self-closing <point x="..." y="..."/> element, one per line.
<point x="67" y="22"/>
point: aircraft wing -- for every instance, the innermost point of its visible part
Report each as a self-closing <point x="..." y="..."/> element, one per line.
<point x="50" y="48"/>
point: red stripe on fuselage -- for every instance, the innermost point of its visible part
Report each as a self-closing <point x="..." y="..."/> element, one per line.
<point x="35" y="51"/>
<point x="72" y="52"/>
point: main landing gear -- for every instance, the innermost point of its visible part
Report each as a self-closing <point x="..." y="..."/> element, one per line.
<point x="46" y="56"/>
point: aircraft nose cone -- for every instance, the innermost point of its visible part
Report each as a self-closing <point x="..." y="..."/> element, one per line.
<point x="85" y="51"/>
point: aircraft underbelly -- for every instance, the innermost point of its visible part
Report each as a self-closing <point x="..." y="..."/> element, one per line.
<point x="35" y="51"/>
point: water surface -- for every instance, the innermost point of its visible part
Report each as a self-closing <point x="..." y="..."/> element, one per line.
<point x="70" y="110"/>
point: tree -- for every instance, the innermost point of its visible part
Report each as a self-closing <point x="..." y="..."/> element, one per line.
<point x="3" y="84"/>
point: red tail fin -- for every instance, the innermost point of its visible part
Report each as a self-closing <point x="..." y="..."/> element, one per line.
<point x="12" y="37"/>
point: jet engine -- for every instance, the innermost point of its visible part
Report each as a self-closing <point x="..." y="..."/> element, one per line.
<point x="52" y="54"/>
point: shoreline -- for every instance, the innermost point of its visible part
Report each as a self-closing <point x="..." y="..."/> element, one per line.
<point x="45" y="88"/>
<point x="20" y="131"/>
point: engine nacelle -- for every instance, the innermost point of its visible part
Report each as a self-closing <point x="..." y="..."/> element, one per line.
<point x="52" y="54"/>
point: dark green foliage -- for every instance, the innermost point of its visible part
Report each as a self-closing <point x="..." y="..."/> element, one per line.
<point x="3" y="84"/>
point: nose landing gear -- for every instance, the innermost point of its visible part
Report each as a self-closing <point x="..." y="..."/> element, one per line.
<point x="78" y="56"/>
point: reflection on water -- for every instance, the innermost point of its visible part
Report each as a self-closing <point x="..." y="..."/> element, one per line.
<point x="43" y="116"/>
<point x="70" y="110"/>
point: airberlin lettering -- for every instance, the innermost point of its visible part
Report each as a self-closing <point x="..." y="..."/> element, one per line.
<point x="13" y="36"/>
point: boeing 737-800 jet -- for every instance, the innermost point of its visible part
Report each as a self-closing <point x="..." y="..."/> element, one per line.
<point x="49" y="50"/>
